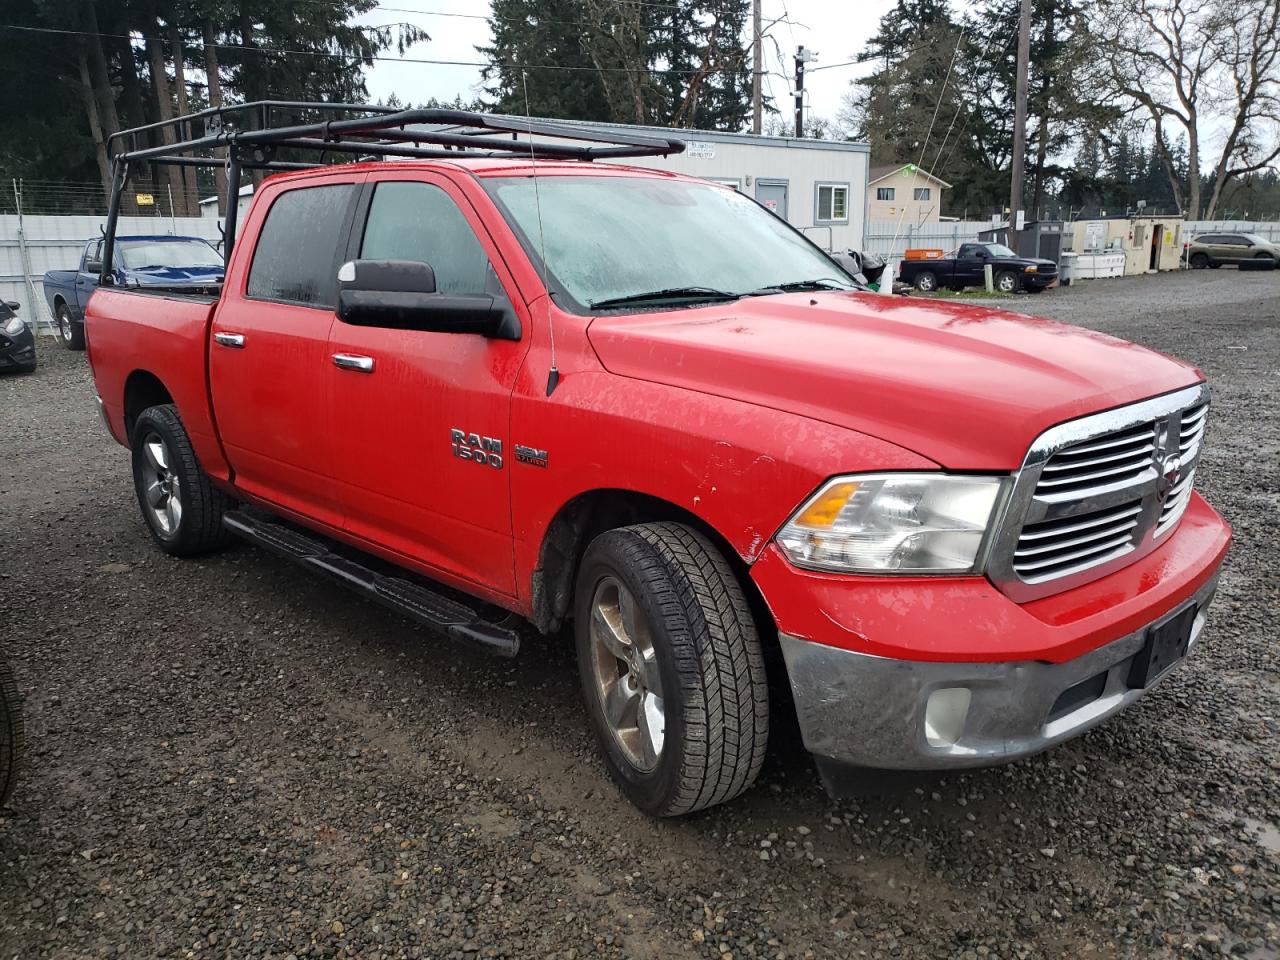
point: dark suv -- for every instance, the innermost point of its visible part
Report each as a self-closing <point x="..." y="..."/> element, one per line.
<point x="1215" y="249"/>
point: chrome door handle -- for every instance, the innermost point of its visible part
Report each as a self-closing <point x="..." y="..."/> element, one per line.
<point x="230" y="339"/>
<point x="351" y="361"/>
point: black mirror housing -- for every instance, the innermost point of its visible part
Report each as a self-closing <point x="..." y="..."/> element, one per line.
<point x="12" y="305"/>
<point x="401" y="295"/>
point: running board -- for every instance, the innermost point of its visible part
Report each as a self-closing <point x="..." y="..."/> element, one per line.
<point x="421" y="604"/>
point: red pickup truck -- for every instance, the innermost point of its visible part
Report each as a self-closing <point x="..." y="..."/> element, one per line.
<point x="491" y="391"/>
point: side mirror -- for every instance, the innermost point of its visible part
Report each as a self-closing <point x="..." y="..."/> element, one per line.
<point x="12" y="305"/>
<point x="401" y="294"/>
<point x="93" y="266"/>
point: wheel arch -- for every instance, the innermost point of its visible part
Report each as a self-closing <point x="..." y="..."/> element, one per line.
<point x="592" y="512"/>
<point x="142" y="389"/>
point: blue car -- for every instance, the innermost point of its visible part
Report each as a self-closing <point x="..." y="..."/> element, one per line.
<point x="183" y="263"/>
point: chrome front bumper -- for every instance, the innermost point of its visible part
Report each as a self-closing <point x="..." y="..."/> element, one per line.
<point x="861" y="710"/>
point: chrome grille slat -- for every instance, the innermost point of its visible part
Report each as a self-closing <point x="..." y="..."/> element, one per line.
<point x="1057" y="528"/>
<point x="1094" y="494"/>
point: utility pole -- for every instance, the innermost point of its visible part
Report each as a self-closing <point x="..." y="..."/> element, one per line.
<point x="803" y="56"/>
<point x="1020" y="123"/>
<point x="757" y="67"/>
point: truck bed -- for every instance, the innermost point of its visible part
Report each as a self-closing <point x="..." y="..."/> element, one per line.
<point x="171" y="331"/>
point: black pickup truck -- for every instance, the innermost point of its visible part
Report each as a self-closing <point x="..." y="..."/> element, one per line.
<point x="964" y="268"/>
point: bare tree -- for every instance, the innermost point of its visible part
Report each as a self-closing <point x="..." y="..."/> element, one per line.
<point x="1206" y="69"/>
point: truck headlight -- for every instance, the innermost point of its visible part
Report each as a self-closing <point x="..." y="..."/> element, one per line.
<point x="1032" y="269"/>
<point x="893" y="523"/>
<point x="14" y="326"/>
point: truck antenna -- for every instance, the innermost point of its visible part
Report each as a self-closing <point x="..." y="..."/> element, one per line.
<point x="553" y="375"/>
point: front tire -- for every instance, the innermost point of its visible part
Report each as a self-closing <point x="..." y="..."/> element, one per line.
<point x="11" y="732"/>
<point x="672" y="669"/>
<point x="70" y="333"/>
<point x="1006" y="281"/>
<point x="181" y="506"/>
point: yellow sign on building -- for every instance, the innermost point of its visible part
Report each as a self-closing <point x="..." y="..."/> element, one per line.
<point x="145" y="200"/>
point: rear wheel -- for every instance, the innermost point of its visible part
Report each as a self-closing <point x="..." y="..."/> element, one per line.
<point x="70" y="333"/>
<point x="1199" y="261"/>
<point x="1007" y="281"/>
<point x="926" y="281"/>
<point x="672" y="670"/>
<point x="10" y="732"/>
<point x="182" y="507"/>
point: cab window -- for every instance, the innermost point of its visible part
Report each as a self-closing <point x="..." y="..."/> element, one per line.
<point x="419" y="221"/>
<point x="295" y="260"/>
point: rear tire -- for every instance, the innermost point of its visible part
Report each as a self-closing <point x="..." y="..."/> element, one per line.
<point x="1199" y="261"/>
<point x="181" y="506"/>
<point x="672" y="669"/>
<point x="70" y="333"/>
<point x="926" y="281"/>
<point x="11" y="732"/>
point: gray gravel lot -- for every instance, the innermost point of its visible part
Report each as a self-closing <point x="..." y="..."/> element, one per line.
<point x="228" y="758"/>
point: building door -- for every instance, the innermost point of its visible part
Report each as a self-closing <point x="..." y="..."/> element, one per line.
<point x="1157" y="237"/>
<point x="773" y="194"/>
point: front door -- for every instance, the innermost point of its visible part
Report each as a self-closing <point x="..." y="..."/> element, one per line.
<point x="773" y="194"/>
<point x="268" y="354"/>
<point x="1157" y="237"/>
<point x="970" y="260"/>
<point x="422" y="423"/>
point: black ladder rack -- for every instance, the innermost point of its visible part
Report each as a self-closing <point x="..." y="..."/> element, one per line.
<point x="251" y="134"/>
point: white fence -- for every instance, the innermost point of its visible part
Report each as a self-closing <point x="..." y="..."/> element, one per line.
<point x="889" y="238"/>
<point x="55" y="243"/>
<point x="881" y="234"/>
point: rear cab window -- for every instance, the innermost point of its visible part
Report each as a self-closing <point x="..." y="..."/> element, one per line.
<point x="295" y="259"/>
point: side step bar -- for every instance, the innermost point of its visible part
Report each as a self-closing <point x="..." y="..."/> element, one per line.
<point x="435" y="610"/>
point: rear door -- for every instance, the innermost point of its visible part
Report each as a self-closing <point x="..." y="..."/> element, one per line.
<point x="422" y="418"/>
<point x="268" y="354"/>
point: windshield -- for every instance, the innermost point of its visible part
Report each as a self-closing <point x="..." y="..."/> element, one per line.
<point x="615" y="238"/>
<point x="999" y="250"/>
<point x="139" y="254"/>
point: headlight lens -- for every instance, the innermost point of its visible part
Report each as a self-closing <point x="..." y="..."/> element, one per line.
<point x="1033" y="269"/>
<point x="893" y="523"/>
<point x="14" y="326"/>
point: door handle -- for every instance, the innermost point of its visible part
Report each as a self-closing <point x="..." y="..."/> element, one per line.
<point x="230" y="339"/>
<point x="351" y="361"/>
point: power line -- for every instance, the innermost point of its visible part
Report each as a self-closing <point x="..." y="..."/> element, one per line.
<point x="258" y="48"/>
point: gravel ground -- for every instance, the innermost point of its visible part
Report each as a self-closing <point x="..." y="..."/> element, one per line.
<point x="229" y="758"/>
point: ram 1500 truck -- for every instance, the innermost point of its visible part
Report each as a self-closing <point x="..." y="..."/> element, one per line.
<point x="141" y="261"/>
<point x="487" y="391"/>
<point x="966" y="267"/>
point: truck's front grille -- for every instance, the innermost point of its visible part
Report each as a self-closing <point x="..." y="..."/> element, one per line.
<point x="1095" y="494"/>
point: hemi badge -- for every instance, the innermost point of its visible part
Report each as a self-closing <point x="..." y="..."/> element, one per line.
<point x="531" y="455"/>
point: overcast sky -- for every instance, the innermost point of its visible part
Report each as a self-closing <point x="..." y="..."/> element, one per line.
<point x="836" y="30"/>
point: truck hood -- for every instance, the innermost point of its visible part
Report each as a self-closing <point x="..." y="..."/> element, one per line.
<point x="967" y="387"/>
<point x="167" y="276"/>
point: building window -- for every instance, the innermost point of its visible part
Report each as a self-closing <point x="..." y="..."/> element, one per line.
<point x="832" y="203"/>
<point x="884" y="193"/>
<point x="922" y="193"/>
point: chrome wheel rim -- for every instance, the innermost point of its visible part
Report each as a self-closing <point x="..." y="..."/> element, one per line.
<point x="161" y="489"/>
<point x="624" y="667"/>
<point x="64" y="324"/>
<point x="926" y="283"/>
<point x="1006" y="284"/>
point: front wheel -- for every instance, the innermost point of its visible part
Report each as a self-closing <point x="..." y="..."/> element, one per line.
<point x="1007" y="281"/>
<point x="70" y="333"/>
<point x="10" y="732"/>
<point x="182" y="507"/>
<point x="672" y="669"/>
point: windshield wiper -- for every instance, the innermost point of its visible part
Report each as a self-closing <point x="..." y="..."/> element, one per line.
<point x="793" y="286"/>
<point x="710" y="294"/>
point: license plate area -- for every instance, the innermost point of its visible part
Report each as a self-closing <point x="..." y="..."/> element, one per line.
<point x="1166" y="644"/>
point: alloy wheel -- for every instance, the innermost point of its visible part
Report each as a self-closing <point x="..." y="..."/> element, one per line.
<point x="64" y="325"/>
<point x="163" y="490"/>
<point x="625" y="669"/>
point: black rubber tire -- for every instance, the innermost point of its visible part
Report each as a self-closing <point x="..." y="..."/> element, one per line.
<point x="926" y="281"/>
<point x="11" y="732"/>
<point x="1199" y="261"/>
<point x="200" y="528"/>
<point x="1017" y="283"/>
<point x="70" y="332"/>
<point x="709" y="659"/>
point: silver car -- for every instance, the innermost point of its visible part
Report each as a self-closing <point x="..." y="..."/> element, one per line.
<point x="1215" y="249"/>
